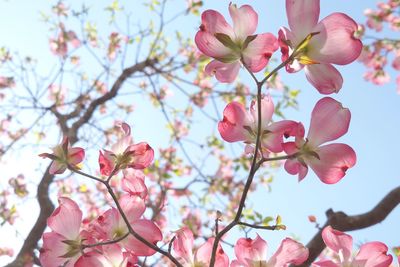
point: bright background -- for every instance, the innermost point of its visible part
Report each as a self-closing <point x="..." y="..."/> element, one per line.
<point x="373" y="130"/>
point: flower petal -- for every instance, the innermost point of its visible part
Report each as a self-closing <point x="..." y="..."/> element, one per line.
<point x="247" y="249"/>
<point x="231" y="127"/>
<point x="289" y="252"/>
<point x="52" y="249"/>
<point x="302" y="15"/>
<point x="66" y="219"/>
<point x="183" y="244"/>
<point x="373" y="254"/>
<point x="106" y="162"/>
<point x="338" y="241"/>
<point x="326" y="263"/>
<point x="324" y="77"/>
<point x="287" y="42"/>
<point x="210" y="46"/>
<point x="75" y="155"/>
<point x="213" y="22"/>
<point x="267" y="110"/>
<point x="329" y="121"/>
<point x="257" y="54"/>
<point x="335" y="42"/>
<point x="149" y="231"/>
<point x="224" y="72"/>
<point x="203" y="254"/>
<point x="133" y="206"/>
<point x="273" y="138"/>
<point x="334" y="160"/>
<point x="142" y="155"/>
<point x="245" y="21"/>
<point x="293" y="166"/>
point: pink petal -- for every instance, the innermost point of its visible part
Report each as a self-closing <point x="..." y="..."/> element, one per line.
<point x="66" y="219"/>
<point x="106" y="162"/>
<point x="183" y="244"/>
<point x="326" y="263"/>
<point x="273" y="139"/>
<point x="57" y="167"/>
<point x="134" y="186"/>
<point x="231" y="127"/>
<point x="213" y="22"/>
<point x="373" y="254"/>
<point x="149" y="231"/>
<point x="338" y="241"/>
<point x="257" y="54"/>
<point x="133" y="206"/>
<point x="286" y="37"/>
<point x="142" y="154"/>
<point x="329" y="121"/>
<point x="267" y="110"/>
<point x="52" y="249"/>
<point x="293" y="166"/>
<point x="75" y="155"/>
<point x="245" y="20"/>
<point x="124" y="139"/>
<point x="290" y="148"/>
<point x="203" y="254"/>
<point x="302" y="16"/>
<point x="210" y="46"/>
<point x="224" y="72"/>
<point x="247" y="249"/>
<point x="324" y="77"/>
<point x="333" y="162"/>
<point x="289" y="252"/>
<point x="335" y="43"/>
<point x="92" y="259"/>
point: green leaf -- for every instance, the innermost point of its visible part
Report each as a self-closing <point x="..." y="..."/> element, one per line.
<point x="248" y="40"/>
<point x="226" y="41"/>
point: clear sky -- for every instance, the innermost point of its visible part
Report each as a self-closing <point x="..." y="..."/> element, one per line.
<point x="373" y="129"/>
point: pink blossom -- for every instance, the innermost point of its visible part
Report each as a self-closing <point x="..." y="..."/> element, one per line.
<point x="183" y="245"/>
<point x="114" y="45"/>
<point x="59" y="45"/>
<point x="63" y="156"/>
<point x="110" y="225"/>
<point x="57" y="93"/>
<point x="124" y="154"/>
<point x="241" y="125"/>
<point x="371" y="254"/>
<point x="133" y="183"/>
<point x="377" y="76"/>
<point x="253" y="252"/>
<point x="6" y="82"/>
<point x="203" y="255"/>
<point x="229" y="45"/>
<point x="329" y="121"/>
<point x="63" y="243"/>
<point x="315" y="46"/>
<point x="107" y="256"/>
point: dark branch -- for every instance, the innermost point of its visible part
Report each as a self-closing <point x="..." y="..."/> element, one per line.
<point x="26" y="253"/>
<point x="341" y="221"/>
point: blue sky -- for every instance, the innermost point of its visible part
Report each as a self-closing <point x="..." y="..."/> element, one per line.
<point x="373" y="129"/>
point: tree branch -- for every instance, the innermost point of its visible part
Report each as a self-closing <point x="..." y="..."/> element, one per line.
<point x="26" y="253"/>
<point x="342" y="222"/>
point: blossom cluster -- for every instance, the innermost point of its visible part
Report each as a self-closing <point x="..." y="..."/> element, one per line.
<point x="122" y="234"/>
<point x="382" y="51"/>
